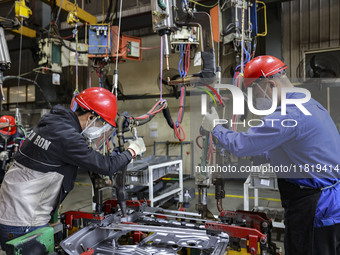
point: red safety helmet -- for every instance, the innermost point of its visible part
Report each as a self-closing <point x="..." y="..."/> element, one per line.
<point x="261" y="67"/>
<point x="101" y="101"/>
<point x="11" y="129"/>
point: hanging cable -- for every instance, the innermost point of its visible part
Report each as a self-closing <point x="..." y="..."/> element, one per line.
<point x="242" y="36"/>
<point x="20" y="52"/>
<point x="56" y="20"/>
<point x="115" y="73"/>
<point x="76" y="35"/>
<point x="161" y="71"/>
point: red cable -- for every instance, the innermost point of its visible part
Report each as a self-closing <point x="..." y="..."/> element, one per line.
<point x="152" y="111"/>
<point x="178" y="131"/>
<point x="187" y="59"/>
<point x="198" y="145"/>
<point x="215" y="92"/>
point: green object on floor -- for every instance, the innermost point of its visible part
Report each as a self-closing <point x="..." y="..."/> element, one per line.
<point x="37" y="242"/>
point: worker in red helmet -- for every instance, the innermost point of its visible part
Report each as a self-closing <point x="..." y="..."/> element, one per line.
<point x="305" y="153"/>
<point x="45" y="167"/>
<point x="10" y="138"/>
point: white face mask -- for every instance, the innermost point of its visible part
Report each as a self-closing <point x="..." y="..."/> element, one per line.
<point x="97" y="132"/>
<point x="265" y="102"/>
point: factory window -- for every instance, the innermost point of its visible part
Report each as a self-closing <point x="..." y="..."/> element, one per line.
<point x="25" y="94"/>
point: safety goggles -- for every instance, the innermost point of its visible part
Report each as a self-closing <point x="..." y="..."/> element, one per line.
<point x="97" y="132"/>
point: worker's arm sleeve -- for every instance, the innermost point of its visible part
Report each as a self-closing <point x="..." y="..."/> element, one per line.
<point x="78" y="153"/>
<point x="255" y="141"/>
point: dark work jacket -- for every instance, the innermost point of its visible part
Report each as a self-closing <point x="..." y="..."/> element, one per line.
<point x="56" y="145"/>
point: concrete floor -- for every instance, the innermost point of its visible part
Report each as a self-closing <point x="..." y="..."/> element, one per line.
<point x="81" y="196"/>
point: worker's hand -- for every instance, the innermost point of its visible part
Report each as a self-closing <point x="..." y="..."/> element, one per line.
<point x="136" y="147"/>
<point x="208" y="120"/>
<point x="3" y="155"/>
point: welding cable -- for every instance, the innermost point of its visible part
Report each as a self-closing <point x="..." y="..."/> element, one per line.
<point x="182" y="104"/>
<point x="180" y="64"/>
<point x="215" y="92"/>
<point x="176" y="126"/>
<point x="179" y="131"/>
<point x="206" y="91"/>
<point x="99" y="73"/>
<point x="159" y="106"/>
<point x="187" y="59"/>
<point x="197" y="143"/>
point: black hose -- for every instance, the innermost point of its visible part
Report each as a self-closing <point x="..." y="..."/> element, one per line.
<point x="69" y="48"/>
<point x="109" y="10"/>
<point x="167" y="116"/>
<point x="121" y="173"/>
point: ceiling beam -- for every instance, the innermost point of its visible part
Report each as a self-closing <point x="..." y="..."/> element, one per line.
<point x="28" y="32"/>
<point x="67" y="6"/>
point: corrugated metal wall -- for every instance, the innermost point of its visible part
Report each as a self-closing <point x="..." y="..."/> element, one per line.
<point x="308" y="25"/>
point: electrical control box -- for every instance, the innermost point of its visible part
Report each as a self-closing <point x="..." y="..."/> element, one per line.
<point x="50" y="54"/>
<point x="99" y="39"/>
<point x="132" y="49"/>
<point x="103" y="44"/>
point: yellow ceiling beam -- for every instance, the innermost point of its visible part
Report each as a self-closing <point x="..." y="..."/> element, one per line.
<point x="28" y="32"/>
<point x="81" y="14"/>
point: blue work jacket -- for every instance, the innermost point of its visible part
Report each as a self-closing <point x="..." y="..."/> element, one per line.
<point x="310" y="149"/>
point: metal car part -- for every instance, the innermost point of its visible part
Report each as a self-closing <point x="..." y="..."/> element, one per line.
<point x="163" y="240"/>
